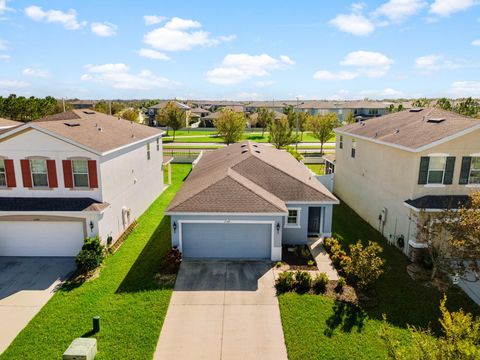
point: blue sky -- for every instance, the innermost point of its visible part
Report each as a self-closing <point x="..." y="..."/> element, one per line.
<point x="246" y="50"/>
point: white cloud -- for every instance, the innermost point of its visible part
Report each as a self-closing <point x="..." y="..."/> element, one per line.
<point x="435" y="62"/>
<point x="365" y="63"/>
<point x="181" y="34"/>
<point x="67" y="19"/>
<point x="3" y="6"/>
<point x="464" y="88"/>
<point x="264" y="84"/>
<point x="476" y="42"/>
<point x="13" y="84"/>
<point x="398" y="10"/>
<point x="5" y="58"/>
<point x="35" y="72"/>
<point x="355" y="24"/>
<point x="381" y="94"/>
<point x="153" y="19"/>
<point x="249" y="96"/>
<point x="227" y="38"/>
<point x="328" y="75"/>
<point x="448" y="7"/>
<point x="104" y="29"/>
<point x="236" y="68"/>
<point x="119" y="77"/>
<point x="152" y="54"/>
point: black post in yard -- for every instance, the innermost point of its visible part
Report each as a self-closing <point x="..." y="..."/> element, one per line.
<point x="96" y="324"/>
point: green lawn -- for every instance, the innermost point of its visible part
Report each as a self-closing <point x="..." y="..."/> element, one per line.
<point x="203" y="137"/>
<point x="318" y="169"/>
<point x="317" y="328"/>
<point x="131" y="306"/>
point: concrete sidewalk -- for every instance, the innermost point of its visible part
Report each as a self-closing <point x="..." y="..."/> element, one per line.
<point x="321" y="257"/>
<point x="223" y="310"/>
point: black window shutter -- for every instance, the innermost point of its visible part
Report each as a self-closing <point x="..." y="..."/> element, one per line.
<point x="449" y="168"/>
<point x="465" y="170"/>
<point x="423" y="172"/>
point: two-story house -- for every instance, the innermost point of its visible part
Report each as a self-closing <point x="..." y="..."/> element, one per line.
<point x="392" y="168"/>
<point x="74" y="175"/>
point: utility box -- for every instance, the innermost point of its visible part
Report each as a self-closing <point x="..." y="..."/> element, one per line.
<point x="81" y="349"/>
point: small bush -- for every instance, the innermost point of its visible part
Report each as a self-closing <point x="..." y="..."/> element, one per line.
<point x="337" y="257"/>
<point x="345" y="262"/>
<point x="340" y="284"/>
<point x="91" y="255"/>
<point x="278" y="264"/>
<point x="310" y="263"/>
<point x="366" y="265"/>
<point x="285" y="282"/>
<point x="172" y="260"/>
<point x="328" y="243"/>
<point x="320" y="283"/>
<point x="303" y="281"/>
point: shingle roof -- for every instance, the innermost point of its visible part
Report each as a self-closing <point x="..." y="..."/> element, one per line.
<point x="437" y="202"/>
<point x="6" y="123"/>
<point x="412" y="129"/>
<point x="50" y="204"/>
<point x="95" y="130"/>
<point x="248" y="178"/>
<point x="162" y="104"/>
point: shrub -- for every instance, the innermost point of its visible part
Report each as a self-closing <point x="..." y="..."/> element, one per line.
<point x="303" y="281"/>
<point x="310" y="263"/>
<point x="320" y="283"/>
<point x="278" y="264"/>
<point x="285" y="282"/>
<point x="172" y="260"/>
<point x="328" y="243"/>
<point x="338" y="256"/>
<point x="340" y="284"/>
<point x="91" y="255"/>
<point x="366" y="266"/>
<point x="345" y="262"/>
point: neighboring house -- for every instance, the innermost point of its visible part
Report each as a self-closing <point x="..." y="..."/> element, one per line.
<point x="390" y="168"/>
<point x="329" y="163"/>
<point x="82" y="104"/>
<point x="245" y="201"/>
<point x="361" y="110"/>
<point x="155" y="109"/>
<point x="6" y="123"/>
<point x="73" y="175"/>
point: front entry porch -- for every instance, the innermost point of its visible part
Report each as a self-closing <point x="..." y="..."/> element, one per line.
<point x="314" y="220"/>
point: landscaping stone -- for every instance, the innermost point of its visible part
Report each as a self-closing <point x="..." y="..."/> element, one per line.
<point x="81" y="349"/>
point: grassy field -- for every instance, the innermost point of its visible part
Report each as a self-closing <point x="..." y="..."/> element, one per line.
<point x="318" y="328"/>
<point x="131" y="306"/>
<point x="318" y="169"/>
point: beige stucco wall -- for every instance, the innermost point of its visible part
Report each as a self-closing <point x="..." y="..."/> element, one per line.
<point x="384" y="177"/>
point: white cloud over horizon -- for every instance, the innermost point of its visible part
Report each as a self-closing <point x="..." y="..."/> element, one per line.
<point x="152" y="54"/>
<point x="104" y="29"/>
<point x="446" y="8"/>
<point x="67" y="19"/>
<point x="434" y="62"/>
<point x="13" y="84"/>
<point x="464" y="89"/>
<point x="35" y="72"/>
<point x="153" y="19"/>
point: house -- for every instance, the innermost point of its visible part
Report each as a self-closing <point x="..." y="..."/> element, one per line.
<point x="6" y="123"/>
<point x="245" y="201"/>
<point x="392" y="168"/>
<point x="155" y="109"/>
<point x="82" y="104"/>
<point x="361" y="110"/>
<point x="73" y="175"/>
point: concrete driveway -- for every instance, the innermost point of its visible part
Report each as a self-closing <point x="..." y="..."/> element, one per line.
<point x="223" y="310"/>
<point x="26" y="284"/>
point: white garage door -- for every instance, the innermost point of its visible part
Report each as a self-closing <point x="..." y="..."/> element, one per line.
<point x="40" y="238"/>
<point x="227" y="240"/>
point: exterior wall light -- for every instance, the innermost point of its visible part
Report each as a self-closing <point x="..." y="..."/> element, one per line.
<point x="278" y="227"/>
<point x="174" y="226"/>
<point x="91" y="226"/>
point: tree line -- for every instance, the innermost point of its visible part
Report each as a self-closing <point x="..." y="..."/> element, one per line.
<point x="467" y="107"/>
<point x="21" y="108"/>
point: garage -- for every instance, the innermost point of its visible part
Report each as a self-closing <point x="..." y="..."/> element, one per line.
<point x="41" y="238"/>
<point x="230" y="240"/>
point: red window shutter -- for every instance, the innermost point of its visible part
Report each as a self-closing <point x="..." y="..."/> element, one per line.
<point x="92" y="174"/>
<point x="26" y="173"/>
<point x="10" y="173"/>
<point x="52" y="174"/>
<point x="67" y="173"/>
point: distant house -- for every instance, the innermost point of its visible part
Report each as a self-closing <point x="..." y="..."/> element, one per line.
<point x="245" y="201"/>
<point x="392" y="168"/>
<point x="82" y="104"/>
<point x="71" y="175"/>
<point x="155" y="109"/>
<point x="361" y="110"/>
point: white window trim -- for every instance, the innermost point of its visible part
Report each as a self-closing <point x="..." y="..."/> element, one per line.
<point x="46" y="173"/>
<point x="297" y="224"/>
<point x="469" y="184"/>
<point x="428" y="184"/>
<point x="87" y="173"/>
<point x="4" y="173"/>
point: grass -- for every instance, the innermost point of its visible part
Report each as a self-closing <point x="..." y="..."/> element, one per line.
<point x="318" y="169"/>
<point x="131" y="306"/>
<point x="345" y="332"/>
<point x="212" y="138"/>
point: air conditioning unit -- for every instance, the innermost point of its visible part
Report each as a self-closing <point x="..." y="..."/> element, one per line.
<point x="383" y="215"/>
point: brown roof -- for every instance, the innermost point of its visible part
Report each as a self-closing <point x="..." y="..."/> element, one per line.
<point x="9" y="123"/>
<point x="95" y="130"/>
<point x="329" y="157"/>
<point x="412" y="129"/>
<point x="248" y="178"/>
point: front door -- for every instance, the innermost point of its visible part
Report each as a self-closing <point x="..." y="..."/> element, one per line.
<point x="314" y="220"/>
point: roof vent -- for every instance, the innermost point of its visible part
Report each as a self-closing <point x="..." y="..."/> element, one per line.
<point x="255" y="145"/>
<point x="376" y="134"/>
<point x="99" y="129"/>
<point x="244" y="151"/>
<point x="72" y="124"/>
<point x="89" y="112"/>
<point x="243" y="145"/>
<point x="362" y="123"/>
<point x="397" y="131"/>
<point x="415" y="109"/>
<point x="258" y="152"/>
<point x="436" y="120"/>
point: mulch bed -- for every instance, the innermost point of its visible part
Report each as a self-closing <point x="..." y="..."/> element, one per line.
<point x="298" y="259"/>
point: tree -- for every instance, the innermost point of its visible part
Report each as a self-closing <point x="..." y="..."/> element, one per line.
<point x="350" y="117"/>
<point x="289" y="111"/>
<point x="302" y="122"/>
<point x="444" y="104"/>
<point x="366" y="266"/>
<point x="172" y="116"/>
<point x="280" y="133"/>
<point x="25" y="109"/>
<point x="322" y="126"/>
<point x="468" y="107"/>
<point x="264" y="118"/>
<point x="130" y="114"/>
<point x="460" y="339"/>
<point x="230" y="125"/>
<point x="421" y="102"/>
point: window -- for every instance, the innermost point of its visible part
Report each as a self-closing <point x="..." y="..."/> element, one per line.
<point x="474" y="177"/>
<point x="436" y="169"/>
<point x="148" y="151"/>
<point x="354" y="148"/>
<point x="80" y="173"/>
<point x="340" y="142"/>
<point x="3" y="174"/>
<point x="293" y="218"/>
<point x="38" y="168"/>
<point x="158" y="144"/>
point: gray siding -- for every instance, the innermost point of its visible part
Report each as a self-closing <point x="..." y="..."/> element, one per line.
<point x="294" y="236"/>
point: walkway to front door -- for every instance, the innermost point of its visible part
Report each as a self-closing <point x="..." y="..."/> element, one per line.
<point x="223" y="310"/>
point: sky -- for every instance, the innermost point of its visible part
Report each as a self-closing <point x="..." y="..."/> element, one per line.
<point x="242" y="50"/>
